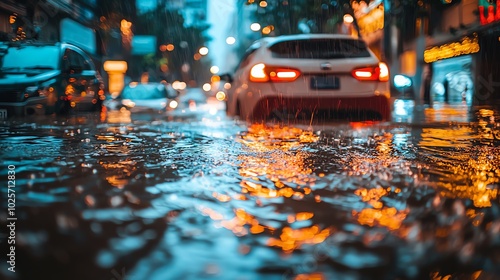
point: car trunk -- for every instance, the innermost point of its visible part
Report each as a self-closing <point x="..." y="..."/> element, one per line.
<point x="338" y="80"/>
<point x="326" y="66"/>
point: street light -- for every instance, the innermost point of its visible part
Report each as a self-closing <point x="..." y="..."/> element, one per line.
<point x="203" y="50"/>
<point x="255" y="26"/>
<point x="214" y="69"/>
<point x="348" y="18"/>
<point x="230" y="40"/>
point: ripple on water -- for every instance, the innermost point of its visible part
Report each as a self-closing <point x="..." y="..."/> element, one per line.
<point x="273" y="201"/>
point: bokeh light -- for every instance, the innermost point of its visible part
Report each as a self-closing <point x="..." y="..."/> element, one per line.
<point x="206" y="87"/>
<point x="203" y="50"/>
<point x="214" y="69"/>
<point x="230" y="40"/>
<point x="348" y="18"/>
<point x="255" y="26"/>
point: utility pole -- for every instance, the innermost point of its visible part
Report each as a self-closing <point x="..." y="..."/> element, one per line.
<point x="388" y="55"/>
<point x="421" y="24"/>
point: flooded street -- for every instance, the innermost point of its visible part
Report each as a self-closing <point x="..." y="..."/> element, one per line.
<point x="196" y="195"/>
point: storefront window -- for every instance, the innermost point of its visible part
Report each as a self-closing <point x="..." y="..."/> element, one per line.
<point x="452" y="80"/>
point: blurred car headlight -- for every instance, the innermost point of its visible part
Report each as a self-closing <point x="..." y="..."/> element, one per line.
<point x="128" y="103"/>
<point x="173" y="104"/>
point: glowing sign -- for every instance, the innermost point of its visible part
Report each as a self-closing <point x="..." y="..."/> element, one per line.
<point x="487" y="12"/>
<point x="468" y="45"/>
<point x="371" y="21"/>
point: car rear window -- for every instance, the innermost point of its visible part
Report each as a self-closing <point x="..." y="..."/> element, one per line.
<point x="320" y="49"/>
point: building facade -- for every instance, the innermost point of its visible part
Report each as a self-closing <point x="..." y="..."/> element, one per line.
<point x="11" y="12"/>
<point x="70" y="21"/>
<point x="453" y="52"/>
<point x="462" y="57"/>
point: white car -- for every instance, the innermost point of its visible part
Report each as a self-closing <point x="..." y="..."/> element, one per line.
<point x="311" y="76"/>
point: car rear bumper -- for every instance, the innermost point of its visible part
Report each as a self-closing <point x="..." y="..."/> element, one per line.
<point x="380" y="105"/>
<point x="35" y="105"/>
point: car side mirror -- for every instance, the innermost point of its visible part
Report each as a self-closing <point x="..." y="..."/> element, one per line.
<point x="226" y="77"/>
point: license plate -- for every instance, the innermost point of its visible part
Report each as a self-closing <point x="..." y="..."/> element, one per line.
<point x="325" y="82"/>
<point x="3" y="114"/>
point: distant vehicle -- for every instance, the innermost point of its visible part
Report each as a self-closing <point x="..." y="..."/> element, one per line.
<point x="402" y="87"/>
<point x="309" y="75"/>
<point x="46" y="78"/>
<point x="140" y="97"/>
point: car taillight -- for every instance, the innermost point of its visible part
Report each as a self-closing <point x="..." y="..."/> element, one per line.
<point x="263" y="73"/>
<point x="372" y="73"/>
<point x="384" y="72"/>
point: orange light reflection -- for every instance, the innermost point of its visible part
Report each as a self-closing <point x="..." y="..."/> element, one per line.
<point x="117" y="173"/>
<point x="274" y="167"/>
<point x="291" y="239"/>
<point x="276" y="161"/>
<point x="378" y="214"/>
<point x="471" y="174"/>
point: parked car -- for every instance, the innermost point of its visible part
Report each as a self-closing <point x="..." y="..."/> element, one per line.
<point x="141" y="97"/>
<point x="46" y="78"/>
<point x="309" y="75"/>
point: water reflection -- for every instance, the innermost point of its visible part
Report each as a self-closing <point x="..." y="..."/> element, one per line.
<point x="274" y="167"/>
<point x="210" y="197"/>
<point x="466" y="163"/>
<point x="407" y="111"/>
<point x="443" y="112"/>
<point x="275" y="156"/>
<point x="117" y="116"/>
<point x="379" y="215"/>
